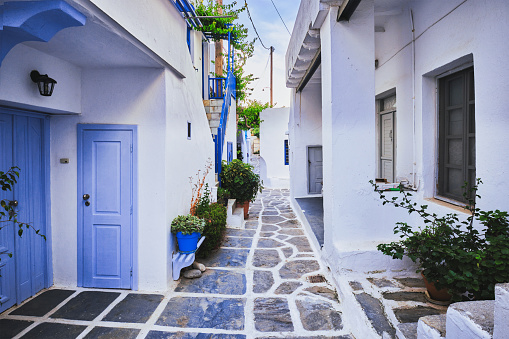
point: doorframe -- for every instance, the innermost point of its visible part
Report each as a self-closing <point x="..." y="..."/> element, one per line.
<point x="47" y="183"/>
<point x="134" y="196"/>
<point x="307" y="168"/>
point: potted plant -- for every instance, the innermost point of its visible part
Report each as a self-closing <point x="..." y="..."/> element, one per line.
<point x="188" y="229"/>
<point x="241" y="181"/>
<point x="453" y="254"/>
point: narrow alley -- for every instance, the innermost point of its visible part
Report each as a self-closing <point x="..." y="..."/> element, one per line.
<point x="266" y="281"/>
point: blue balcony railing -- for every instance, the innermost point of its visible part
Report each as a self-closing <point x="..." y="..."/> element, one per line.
<point x="217" y="88"/>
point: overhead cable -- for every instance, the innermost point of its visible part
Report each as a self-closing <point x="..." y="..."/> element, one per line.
<point x="280" y="17"/>
<point x="250" y="19"/>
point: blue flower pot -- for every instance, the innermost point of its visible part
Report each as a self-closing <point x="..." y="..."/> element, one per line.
<point x="188" y="243"/>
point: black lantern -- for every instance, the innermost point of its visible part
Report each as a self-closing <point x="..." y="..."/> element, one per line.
<point x="44" y="82"/>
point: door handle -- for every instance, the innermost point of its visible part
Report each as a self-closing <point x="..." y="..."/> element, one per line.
<point x="86" y="196"/>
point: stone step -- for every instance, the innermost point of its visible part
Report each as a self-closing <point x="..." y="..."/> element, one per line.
<point x="432" y="327"/>
<point x="471" y="319"/>
<point x="214" y="123"/>
<point x="209" y="109"/>
<point x="213" y="103"/>
<point x="234" y="215"/>
<point x="501" y="311"/>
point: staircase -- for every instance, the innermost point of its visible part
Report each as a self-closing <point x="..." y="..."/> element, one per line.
<point x="471" y="319"/>
<point x="213" y="109"/>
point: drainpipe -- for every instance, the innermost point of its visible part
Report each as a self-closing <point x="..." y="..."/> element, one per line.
<point x="414" y="147"/>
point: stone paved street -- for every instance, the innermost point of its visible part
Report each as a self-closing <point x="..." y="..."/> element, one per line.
<point x="266" y="281"/>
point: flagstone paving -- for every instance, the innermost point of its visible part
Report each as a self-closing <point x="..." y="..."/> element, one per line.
<point x="257" y="285"/>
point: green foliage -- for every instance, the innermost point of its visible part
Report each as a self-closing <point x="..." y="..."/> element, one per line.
<point x="240" y="180"/>
<point x="215" y="226"/>
<point x="249" y="116"/>
<point x="204" y="201"/>
<point x="240" y="156"/>
<point x="452" y="252"/>
<point x="218" y="29"/>
<point x="187" y="224"/>
<point x="222" y="196"/>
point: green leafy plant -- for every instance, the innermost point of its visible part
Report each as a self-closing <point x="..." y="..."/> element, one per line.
<point x="452" y="252"/>
<point x="222" y="196"/>
<point x="215" y="226"/>
<point x="187" y="224"/>
<point x="249" y="116"/>
<point x="240" y="180"/>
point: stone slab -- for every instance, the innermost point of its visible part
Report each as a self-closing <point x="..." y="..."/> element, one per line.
<point x="323" y="292"/>
<point x="317" y="315"/>
<point x="288" y="287"/>
<point x="435" y="324"/>
<point x="134" y="308"/>
<point x="266" y="258"/>
<point x="411" y="282"/>
<point x="290" y="224"/>
<point x="473" y="319"/>
<point x="251" y="224"/>
<point x="218" y="313"/>
<point x="375" y="313"/>
<point x="262" y="281"/>
<point x="405" y="296"/>
<point x="272" y="315"/>
<point x="215" y="281"/>
<point x="287" y="251"/>
<point x="86" y="306"/>
<point x="301" y="243"/>
<point x="54" y="330"/>
<point x="292" y="231"/>
<point x="355" y="285"/>
<point x="381" y="282"/>
<point x="240" y="233"/>
<point x="269" y="228"/>
<point x="236" y="242"/>
<point x="43" y="303"/>
<point x="412" y="314"/>
<point x="297" y="268"/>
<point x="226" y="257"/>
<point x="184" y="335"/>
<point x="269" y="243"/>
<point x="409" y="330"/>
<point x="10" y="327"/>
<point x="112" y="333"/>
<point x="271" y="219"/>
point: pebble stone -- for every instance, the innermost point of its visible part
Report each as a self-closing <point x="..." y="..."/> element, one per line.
<point x="199" y="266"/>
<point x="192" y="274"/>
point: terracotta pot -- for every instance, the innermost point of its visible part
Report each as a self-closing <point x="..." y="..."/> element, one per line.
<point x="440" y="295"/>
<point x="245" y="205"/>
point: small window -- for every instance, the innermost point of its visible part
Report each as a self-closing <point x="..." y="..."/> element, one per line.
<point x="189" y="130"/>
<point x="188" y="38"/>
<point x="287" y="153"/>
<point x="456" y="142"/>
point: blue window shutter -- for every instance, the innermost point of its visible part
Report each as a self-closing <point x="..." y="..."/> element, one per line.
<point x="287" y="155"/>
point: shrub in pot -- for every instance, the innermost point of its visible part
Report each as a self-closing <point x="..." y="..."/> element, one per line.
<point x="188" y="229"/>
<point x="241" y="181"/>
<point x="452" y="253"/>
<point x="215" y="226"/>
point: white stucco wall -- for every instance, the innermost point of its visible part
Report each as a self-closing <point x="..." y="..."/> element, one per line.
<point x="156" y="99"/>
<point x="305" y="129"/>
<point x="273" y="130"/>
<point x="355" y="221"/>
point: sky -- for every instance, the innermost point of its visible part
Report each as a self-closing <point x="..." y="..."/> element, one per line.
<point x="273" y="33"/>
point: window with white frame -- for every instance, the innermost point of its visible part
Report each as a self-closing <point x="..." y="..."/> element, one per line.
<point x="456" y="139"/>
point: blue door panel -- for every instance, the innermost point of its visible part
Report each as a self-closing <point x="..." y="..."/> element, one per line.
<point x="22" y="144"/>
<point x="7" y="265"/>
<point x="107" y="221"/>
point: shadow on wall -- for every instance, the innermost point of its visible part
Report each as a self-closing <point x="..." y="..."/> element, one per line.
<point x="263" y="172"/>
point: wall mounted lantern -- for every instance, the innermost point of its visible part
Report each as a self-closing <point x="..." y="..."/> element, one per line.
<point x="44" y="82"/>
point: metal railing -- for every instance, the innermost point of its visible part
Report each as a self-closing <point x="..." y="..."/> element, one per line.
<point x="225" y="89"/>
<point x="217" y="88"/>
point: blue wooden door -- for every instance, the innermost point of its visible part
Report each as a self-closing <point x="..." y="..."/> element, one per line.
<point x="22" y="144"/>
<point x="229" y="151"/>
<point x="106" y="206"/>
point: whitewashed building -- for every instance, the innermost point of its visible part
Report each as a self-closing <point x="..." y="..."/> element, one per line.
<point x="409" y="91"/>
<point x="274" y="147"/>
<point x="105" y="160"/>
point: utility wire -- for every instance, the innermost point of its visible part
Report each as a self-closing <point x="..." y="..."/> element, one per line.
<point x="281" y="18"/>
<point x="263" y="74"/>
<point x="250" y="19"/>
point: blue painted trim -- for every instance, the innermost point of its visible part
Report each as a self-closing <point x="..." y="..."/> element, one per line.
<point x="47" y="188"/>
<point x="35" y="21"/>
<point x="134" y="198"/>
